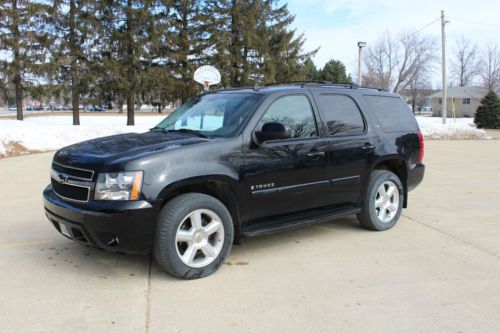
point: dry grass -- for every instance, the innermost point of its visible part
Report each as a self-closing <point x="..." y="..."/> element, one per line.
<point x="14" y="148"/>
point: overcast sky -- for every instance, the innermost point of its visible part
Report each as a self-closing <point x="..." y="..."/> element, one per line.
<point x="337" y="25"/>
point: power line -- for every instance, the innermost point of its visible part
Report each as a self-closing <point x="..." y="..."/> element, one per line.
<point x="425" y="26"/>
<point x="473" y="22"/>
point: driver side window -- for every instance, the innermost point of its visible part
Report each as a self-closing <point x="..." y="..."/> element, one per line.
<point x="294" y="111"/>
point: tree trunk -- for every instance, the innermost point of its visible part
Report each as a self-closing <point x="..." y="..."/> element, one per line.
<point x="18" y="85"/>
<point x="130" y="110"/>
<point x="75" y="95"/>
<point x="19" y="96"/>
<point x="235" y="50"/>
<point x="130" y="64"/>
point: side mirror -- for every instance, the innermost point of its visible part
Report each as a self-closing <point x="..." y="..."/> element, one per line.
<point x="273" y="131"/>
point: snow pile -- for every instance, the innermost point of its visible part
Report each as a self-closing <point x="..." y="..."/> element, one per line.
<point x="46" y="133"/>
<point x="459" y="129"/>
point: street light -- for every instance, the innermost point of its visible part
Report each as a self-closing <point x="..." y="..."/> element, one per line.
<point x="360" y="47"/>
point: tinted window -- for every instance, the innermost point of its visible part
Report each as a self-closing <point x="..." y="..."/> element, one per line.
<point x="219" y="114"/>
<point x="296" y="112"/>
<point x="392" y="113"/>
<point x="341" y="114"/>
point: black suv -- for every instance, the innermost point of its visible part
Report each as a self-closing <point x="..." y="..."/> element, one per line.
<point x="235" y="163"/>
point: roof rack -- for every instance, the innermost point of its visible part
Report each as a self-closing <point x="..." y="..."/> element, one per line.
<point x="322" y="83"/>
<point x="299" y="82"/>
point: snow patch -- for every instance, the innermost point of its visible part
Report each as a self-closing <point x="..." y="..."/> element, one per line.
<point x="45" y="133"/>
<point x="432" y="128"/>
<point x="54" y="132"/>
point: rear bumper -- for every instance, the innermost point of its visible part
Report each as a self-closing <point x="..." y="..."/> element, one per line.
<point x="121" y="226"/>
<point x="415" y="175"/>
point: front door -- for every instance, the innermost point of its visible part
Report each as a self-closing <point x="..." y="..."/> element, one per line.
<point x="286" y="176"/>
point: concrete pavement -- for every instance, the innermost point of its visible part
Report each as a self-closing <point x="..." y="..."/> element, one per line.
<point x="438" y="270"/>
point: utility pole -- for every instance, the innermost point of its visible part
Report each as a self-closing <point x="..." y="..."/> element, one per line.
<point x="360" y="47"/>
<point x="443" y="65"/>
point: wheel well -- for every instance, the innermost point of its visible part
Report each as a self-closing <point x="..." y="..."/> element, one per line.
<point x="217" y="189"/>
<point x="399" y="168"/>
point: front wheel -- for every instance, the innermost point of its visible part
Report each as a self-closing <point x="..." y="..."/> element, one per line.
<point x="194" y="235"/>
<point x="383" y="202"/>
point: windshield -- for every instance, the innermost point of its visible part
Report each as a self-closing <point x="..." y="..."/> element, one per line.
<point x="220" y="114"/>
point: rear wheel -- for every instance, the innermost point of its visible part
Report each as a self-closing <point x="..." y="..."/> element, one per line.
<point x="194" y="236"/>
<point x="383" y="202"/>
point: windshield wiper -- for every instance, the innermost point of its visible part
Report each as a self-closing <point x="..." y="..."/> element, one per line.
<point x="180" y="130"/>
<point x="187" y="131"/>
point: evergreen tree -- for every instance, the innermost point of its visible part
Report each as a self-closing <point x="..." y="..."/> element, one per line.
<point x="309" y="71"/>
<point x="254" y="42"/>
<point x="334" y="71"/>
<point x="24" y="36"/>
<point x="187" y="44"/>
<point x="157" y="81"/>
<point x="74" y="22"/>
<point x="285" y="56"/>
<point x="488" y="113"/>
<point x="125" y="29"/>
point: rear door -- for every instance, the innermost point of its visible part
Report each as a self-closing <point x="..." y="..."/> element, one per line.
<point x="350" y="146"/>
<point x="286" y="176"/>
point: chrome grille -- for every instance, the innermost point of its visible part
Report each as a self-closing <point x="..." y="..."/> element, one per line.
<point x="77" y="173"/>
<point x="70" y="183"/>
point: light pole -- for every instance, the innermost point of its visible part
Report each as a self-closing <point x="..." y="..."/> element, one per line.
<point x="360" y="47"/>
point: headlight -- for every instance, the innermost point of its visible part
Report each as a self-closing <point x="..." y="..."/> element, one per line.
<point x="118" y="186"/>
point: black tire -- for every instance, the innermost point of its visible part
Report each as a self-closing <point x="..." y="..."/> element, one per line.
<point x="171" y="217"/>
<point x="369" y="214"/>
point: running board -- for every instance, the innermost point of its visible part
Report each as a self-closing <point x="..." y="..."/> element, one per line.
<point x="273" y="225"/>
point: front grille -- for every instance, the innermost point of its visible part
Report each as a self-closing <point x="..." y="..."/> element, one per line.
<point x="73" y="172"/>
<point x="71" y="183"/>
<point x="70" y="191"/>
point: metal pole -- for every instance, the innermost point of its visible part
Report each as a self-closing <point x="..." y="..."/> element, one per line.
<point x="359" y="65"/>
<point x="443" y="65"/>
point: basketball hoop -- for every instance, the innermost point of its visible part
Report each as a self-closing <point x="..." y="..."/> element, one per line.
<point x="207" y="76"/>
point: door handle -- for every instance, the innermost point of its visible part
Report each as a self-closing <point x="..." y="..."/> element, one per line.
<point x="368" y="147"/>
<point x="316" y="155"/>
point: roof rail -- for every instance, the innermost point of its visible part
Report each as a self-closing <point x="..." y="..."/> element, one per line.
<point x="315" y="83"/>
<point x="373" y="88"/>
<point x="299" y="82"/>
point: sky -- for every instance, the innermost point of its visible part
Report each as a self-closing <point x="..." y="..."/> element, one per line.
<point x="336" y="26"/>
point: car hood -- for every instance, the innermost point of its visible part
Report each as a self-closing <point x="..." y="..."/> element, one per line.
<point x="118" y="149"/>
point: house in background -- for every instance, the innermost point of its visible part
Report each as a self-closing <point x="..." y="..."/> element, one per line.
<point x="465" y="100"/>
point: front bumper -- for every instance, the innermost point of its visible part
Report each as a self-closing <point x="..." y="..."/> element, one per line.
<point x="120" y="226"/>
<point x="415" y="176"/>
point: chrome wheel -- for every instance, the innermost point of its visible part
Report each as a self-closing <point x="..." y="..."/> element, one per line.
<point x="199" y="238"/>
<point x="387" y="201"/>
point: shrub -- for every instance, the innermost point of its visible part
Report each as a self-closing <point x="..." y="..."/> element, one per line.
<point x="488" y="113"/>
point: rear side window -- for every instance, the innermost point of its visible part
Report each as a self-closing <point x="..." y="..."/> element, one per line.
<point x="392" y="113"/>
<point x="296" y="112"/>
<point x="341" y="115"/>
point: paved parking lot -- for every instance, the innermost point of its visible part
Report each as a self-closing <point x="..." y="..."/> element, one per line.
<point x="438" y="270"/>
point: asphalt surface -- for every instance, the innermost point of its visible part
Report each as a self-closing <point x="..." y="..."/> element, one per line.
<point x="438" y="270"/>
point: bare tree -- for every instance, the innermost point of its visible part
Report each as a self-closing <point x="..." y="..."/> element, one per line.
<point x="464" y="66"/>
<point x="418" y="89"/>
<point x="394" y="63"/>
<point x="490" y="67"/>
